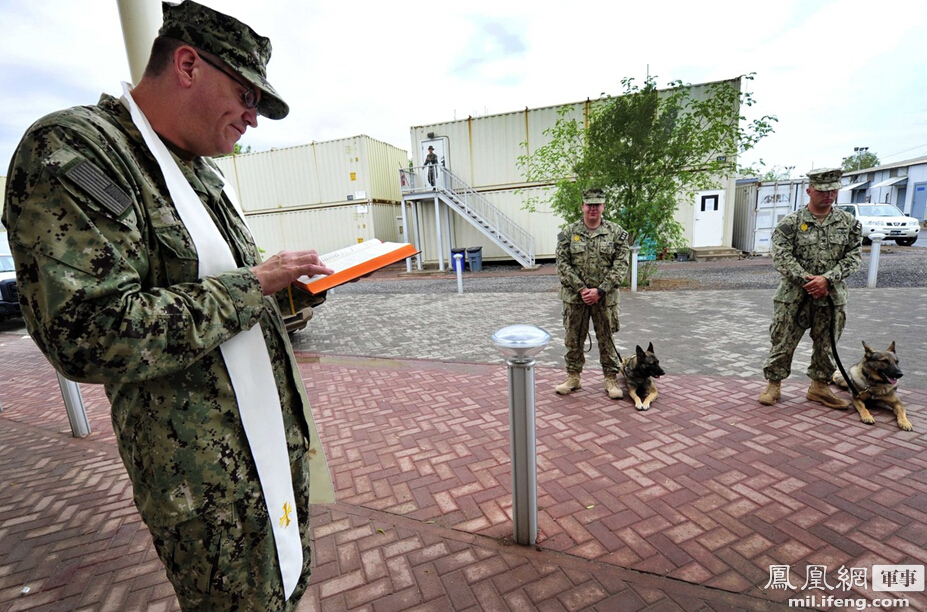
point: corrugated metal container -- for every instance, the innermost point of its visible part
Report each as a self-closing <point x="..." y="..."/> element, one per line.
<point x="345" y="171"/>
<point x="484" y="150"/>
<point x="543" y="224"/>
<point x="759" y="207"/>
<point x="2" y="192"/>
<point x="324" y="229"/>
<point x="744" y="215"/>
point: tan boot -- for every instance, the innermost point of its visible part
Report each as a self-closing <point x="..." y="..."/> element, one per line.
<point x="569" y="385"/>
<point x="819" y="392"/>
<point x="612" y="388"/>
<point x="772" y="393"/>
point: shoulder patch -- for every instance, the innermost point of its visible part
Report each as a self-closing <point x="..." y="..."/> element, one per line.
<point x="98" y="185"/>
<point x="859" y="225"/>
<point x="787" y="229"/>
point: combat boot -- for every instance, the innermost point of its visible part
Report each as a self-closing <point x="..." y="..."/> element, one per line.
<point x="772" y="393"/>
<point x="570" y="385"/>
<point x="819" y="392"/>
<point x="612" y="388"/>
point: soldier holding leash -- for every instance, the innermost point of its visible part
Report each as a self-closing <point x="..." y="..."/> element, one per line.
<point x="592" y="261"/>
<point x="814" y="249"/>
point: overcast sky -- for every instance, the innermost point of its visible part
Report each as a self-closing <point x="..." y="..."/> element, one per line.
<point x="838" y="74"/>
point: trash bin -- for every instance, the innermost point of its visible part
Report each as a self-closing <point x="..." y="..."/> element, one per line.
<point x="454" y="262"/>
<point x="475" y="258"/>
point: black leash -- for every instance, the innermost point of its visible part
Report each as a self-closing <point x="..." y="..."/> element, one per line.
<point x="833" y="345"/>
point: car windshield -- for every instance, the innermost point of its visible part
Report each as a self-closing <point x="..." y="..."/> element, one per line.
<point x="6" y="263"/>
<point x="879" y="210"/>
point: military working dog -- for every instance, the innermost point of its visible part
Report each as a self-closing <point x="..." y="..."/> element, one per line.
<point x="876" y="380"/>
<point x="638" y="371"/>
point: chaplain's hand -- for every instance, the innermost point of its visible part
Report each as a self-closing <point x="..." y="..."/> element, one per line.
<point x="285" y="267"/>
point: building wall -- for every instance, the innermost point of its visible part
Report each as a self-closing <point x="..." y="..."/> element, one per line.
<point x="324" y="229"/>
<point x="484" y="152"/>
<point x="335" y="172"/>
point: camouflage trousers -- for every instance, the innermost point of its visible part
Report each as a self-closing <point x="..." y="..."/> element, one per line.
<point x="225" y="559"/>
<point x="576" y="322"/>
<point x="790" y="320"/>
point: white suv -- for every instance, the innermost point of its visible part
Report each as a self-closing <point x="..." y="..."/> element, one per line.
<point x="885" y="219"/>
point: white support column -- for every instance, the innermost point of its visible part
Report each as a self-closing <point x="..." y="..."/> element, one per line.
<point x="416" y="215"/>
<point x="876" y="239"/>
<point x="439" y="236"/>
<point x="141" y="20"/>
<point x="405" y="233"/>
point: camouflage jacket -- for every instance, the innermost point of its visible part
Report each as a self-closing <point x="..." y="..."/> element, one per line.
<point x="801" y="246"/>
<point x="110" y="290"/>
<point x="592" y="258"/>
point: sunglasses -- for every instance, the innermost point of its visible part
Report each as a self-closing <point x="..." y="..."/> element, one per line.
<point x="249" y="97"/>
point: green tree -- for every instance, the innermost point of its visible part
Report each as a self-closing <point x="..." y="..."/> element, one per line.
<point x="238" y="150"/>
<point x="648" y="149"/>
<point x="860" y="160"/>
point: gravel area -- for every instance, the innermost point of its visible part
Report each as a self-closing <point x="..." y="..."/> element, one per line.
<point x="898" y="267"/>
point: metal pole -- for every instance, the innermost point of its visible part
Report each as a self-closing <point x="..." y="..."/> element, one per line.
<point x="140" y="24"/>
<point x="440" y="240"/>
<point x="405" y="232"/>
<point x="519" y="344"/>
<point x="876" y="239"/>
<point x="416" y="211"/>
<point x="458" y="266"/>
<point x="635" y="249"/>
<point x="523" y="442"/>
<point x="74" y="404"/>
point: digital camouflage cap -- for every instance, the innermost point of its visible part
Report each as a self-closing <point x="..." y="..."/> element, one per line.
<point x="825" y="179"/>
<point x="593" y="196"/>
<point x="232" y="41"/>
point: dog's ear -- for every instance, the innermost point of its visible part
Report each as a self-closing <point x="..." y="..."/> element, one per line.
<point x="869" y="351"/>
<point x="650" y="347"/>
<point x="640" y="351"/>
<point x="891" y="347"/>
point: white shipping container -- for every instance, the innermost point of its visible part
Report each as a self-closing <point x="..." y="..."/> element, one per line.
<point x="345" y="171"/>
<point x="324" y="229"/>
<point x="484" y="150"/>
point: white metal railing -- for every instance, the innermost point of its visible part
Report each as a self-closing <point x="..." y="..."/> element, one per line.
<point x="492" y="221"/>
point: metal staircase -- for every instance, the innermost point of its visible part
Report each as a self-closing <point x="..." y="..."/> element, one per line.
<point x="416" y="184"/>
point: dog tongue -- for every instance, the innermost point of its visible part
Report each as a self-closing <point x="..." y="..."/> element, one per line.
<point x="891" y="380"/>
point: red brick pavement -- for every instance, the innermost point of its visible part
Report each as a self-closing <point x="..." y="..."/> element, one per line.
<point x="683" y="507"/>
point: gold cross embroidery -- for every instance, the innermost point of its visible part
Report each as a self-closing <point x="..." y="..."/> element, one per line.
<point x="285" y="519"/>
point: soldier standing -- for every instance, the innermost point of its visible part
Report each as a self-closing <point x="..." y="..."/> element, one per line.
<point x="592" y="261"/>
<point x="814" y="249"/>
<point x="431" y="162"/>
<point x="137" y="271"/>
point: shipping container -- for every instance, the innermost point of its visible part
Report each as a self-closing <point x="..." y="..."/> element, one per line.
<point x="489" y="154"/>
<point x="759" y="207"/>
<point x="324" y="229"/>
<point x="346" y="172"/>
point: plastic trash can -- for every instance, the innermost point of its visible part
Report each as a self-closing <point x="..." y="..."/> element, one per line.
<point x="475" y="258"/>
<point x="454" y="262"/>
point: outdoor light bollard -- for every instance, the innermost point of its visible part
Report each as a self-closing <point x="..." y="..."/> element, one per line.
<point x="458" y="267"/>
<point x="876" y="239"/>
<point x="74" y="404"/>
<point x="519" y="344"/>
<point x="635" y="249"/>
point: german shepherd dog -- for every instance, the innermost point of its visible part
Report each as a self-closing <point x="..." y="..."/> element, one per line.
<point x="876" y="378"/>
<point x="638" y="371"/>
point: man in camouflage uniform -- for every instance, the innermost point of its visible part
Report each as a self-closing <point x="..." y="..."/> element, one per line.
<point x="814" y="249"/>
<point x="108" y="275"/>
<point x="592" y="261"/>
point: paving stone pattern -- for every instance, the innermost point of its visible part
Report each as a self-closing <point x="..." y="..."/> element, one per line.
<point x="683" y="507"/>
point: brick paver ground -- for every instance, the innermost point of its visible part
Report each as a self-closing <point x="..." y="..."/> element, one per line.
<point x="683" y="507"/>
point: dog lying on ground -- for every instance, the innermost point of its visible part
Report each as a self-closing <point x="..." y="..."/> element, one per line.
<point x="638" y="371"/>
<point x="876" y="379"/>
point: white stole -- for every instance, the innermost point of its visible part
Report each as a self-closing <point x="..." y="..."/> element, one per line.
<point x="247" y="362"/>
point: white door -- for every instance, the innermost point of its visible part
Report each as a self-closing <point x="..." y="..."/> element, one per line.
<point x="708" y="229"/>
<point x="441" y="147"/>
